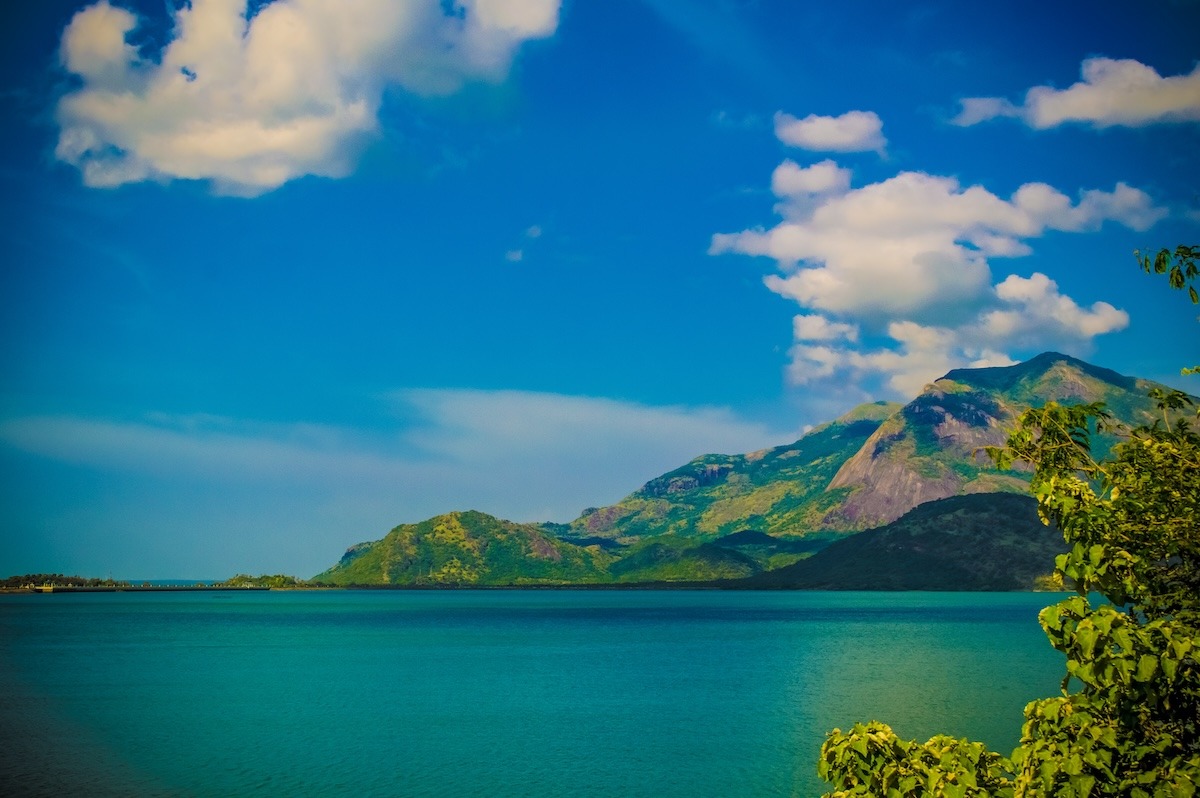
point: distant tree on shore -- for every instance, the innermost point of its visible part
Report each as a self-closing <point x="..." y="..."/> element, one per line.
<point x="265" y="580"/>
<point x="58" y="580"/>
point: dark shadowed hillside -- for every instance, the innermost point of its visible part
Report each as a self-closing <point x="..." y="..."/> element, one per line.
<point x="978" y="542"/>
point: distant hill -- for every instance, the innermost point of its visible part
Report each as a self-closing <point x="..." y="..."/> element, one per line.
<point x="979" y="542"/>
<point x="468" y="548"/>
<point x="756" y="517"/>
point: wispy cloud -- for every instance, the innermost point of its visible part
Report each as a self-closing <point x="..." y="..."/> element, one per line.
<point x="253" y="102"/>
<point x="520" y="455"/>
<point x="1112" y="92"/>
<point x="895" y="281"/>
<point x="517" y="254"/>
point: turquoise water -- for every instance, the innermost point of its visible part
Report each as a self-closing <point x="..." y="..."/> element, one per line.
<point x="493" y="693"/>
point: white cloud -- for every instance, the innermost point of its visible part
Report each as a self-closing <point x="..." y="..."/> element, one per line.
<point x="1025" y="313"/>
<point x="293" y="91"/>
<point x="853" y="131"/>
<point x="907" y="262"/>
<point x="1112" y="92"/>
<point x="917" y="245"/>
<point x="1034" y="311"/>
<point x="811" y="327"/>
<point x="790" y="179"/>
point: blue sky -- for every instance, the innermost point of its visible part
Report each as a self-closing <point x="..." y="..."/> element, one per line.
<point x="278" y="279"/>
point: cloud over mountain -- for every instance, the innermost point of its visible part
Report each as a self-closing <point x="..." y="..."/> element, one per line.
<point x="895" y="278"/>
<point x="253" y="100"/>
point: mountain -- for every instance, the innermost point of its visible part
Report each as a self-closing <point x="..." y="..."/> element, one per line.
<point x="960" y="524"/>
<point x="870" y="466"/>
<point x="468" y="548"/>
<point x="930" y="448"/>
<point x="777" y="491"/>
<point x="989" y="541"/>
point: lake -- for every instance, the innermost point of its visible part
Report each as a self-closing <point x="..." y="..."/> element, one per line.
<point x="494" y="693"/>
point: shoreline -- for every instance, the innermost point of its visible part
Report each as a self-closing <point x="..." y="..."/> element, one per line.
<point x="124" y="588"/>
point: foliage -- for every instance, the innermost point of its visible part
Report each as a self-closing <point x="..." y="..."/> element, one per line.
<point x="266" y="580"/>
<point x="57" y="580"/>
<point x="1181" y="270"/>
<point x="1128" y="720"/>
<point x="870" y="760"/>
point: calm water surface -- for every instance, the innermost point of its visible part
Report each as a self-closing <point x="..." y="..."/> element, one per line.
<point x="493" y="693"/>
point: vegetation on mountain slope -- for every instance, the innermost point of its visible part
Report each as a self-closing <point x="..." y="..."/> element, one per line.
<point x="870" y="466"/>
<point x="468" y="548"/>
<point x="779" y="491"/>
<point x="930" y="449"/>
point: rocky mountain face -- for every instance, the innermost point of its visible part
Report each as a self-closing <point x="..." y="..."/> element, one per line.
<point x="872" y="465"/>
<point x="758" y="516"/>
<point x="779" y="491"/>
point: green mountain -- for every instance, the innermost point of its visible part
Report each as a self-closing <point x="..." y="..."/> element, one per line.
<point x="989" y="541"/>
<point x="780" y="491"/>
<point x="757" y="516"/>
<point x="870" y="466"/>
<point x="468" y="548"/>
<point x="930" y="448"/>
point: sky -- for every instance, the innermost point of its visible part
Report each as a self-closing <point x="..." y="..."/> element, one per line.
<point x="277" y="277"/>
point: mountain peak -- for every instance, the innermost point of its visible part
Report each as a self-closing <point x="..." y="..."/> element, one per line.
<point x="1005" y="378"/>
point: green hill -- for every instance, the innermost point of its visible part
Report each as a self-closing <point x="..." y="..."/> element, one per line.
<point x="468" y="548"/>
<point x="979" y="542"/>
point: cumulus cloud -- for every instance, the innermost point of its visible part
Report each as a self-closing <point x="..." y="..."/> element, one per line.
<point x="1032" y="311"/>
<point x="853" y="131"/>
<point x="896" y="276"/>
<point x="1112" y="92"/>
<point x="294" y="90"/>
<point x="791" y="179"/>
<point x="811" y="327"/>
<point x="917" y="245"/>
